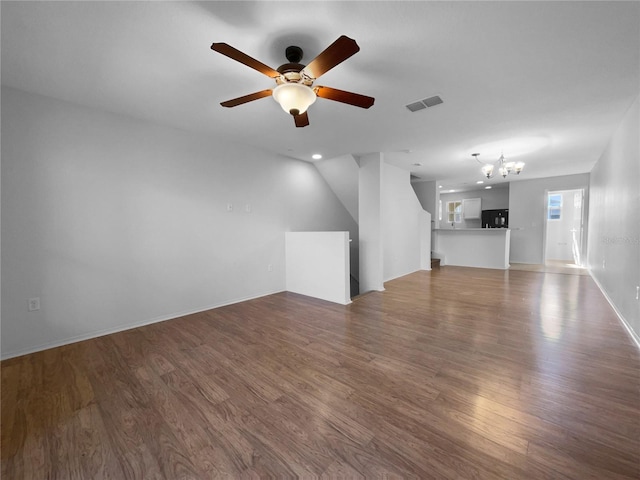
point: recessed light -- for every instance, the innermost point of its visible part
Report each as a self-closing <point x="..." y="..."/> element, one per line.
<point x="480" y="182"/>
<point x="439" y="186"/>
<point x="316" y="156"/>
<point x="488" y="187"/>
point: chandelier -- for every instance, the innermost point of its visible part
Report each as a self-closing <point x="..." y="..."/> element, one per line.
<point x="504" y="168"/>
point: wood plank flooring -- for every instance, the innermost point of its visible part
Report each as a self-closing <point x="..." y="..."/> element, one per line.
<point x="453" y="373"/>
<point x="551" y="266"/>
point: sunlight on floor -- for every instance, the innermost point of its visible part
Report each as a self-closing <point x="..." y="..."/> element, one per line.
<point x="552" y="266"/>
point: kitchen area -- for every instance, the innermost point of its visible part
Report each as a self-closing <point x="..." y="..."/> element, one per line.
<point x="473" y="228"/>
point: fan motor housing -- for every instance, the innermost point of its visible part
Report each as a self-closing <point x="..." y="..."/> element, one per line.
<point x="290" y="67"/>
<point x="290" y="73"/>
<point x="293" y="54"/>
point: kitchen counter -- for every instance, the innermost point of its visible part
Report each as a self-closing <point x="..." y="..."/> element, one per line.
<point x="470" y="229"/>
<point x="473" y="247"/>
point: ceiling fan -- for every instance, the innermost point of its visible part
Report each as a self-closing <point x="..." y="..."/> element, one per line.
<point x="294" y="89"/>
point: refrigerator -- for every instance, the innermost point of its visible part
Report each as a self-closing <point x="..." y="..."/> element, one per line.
<point x="498" y="218"/>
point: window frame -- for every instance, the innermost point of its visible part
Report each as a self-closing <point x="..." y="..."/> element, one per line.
<point x="454" y="215"/>
<point x="554" y="212"/>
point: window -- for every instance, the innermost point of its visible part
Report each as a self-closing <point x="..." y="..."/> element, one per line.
<point x="454" y="211"/>
<point x="554" y="207"/>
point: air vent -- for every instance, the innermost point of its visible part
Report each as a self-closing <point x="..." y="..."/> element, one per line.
<point x="422" y="104"/>
<point x="432" y="101"/>
<point x="414" y="107"/>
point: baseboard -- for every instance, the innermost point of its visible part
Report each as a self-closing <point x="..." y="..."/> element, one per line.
<point x="402" y="275"/>
<point x="634" y="336"/>
<point x="122" y="328"/>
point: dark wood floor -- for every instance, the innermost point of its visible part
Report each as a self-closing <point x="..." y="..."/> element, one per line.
<point x="454" y="373"/>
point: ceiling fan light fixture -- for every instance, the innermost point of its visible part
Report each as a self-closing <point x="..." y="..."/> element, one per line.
<point x="294" y="81"/>
<point x="294" y="98"/>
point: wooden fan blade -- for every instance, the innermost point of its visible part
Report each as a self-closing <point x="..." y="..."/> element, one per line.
<point x="247" y="98"/>
<point x="355" y="99"/>
<point x="333" y="55"/>
<point x="301" y="120"/>
<point x="238" y="56"/>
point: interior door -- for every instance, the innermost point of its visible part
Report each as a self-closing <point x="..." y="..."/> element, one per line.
<point x="564" y="226"/>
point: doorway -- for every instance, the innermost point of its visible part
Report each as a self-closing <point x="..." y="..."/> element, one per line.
<point x="564" y="218"/>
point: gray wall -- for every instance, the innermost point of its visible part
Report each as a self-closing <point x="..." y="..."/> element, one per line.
<point x="115" y="222"/>
<point x="614" y="220"/>
<point x="341" y="175"/>
<point x="370" y="221"/>
<point x="527" y="203"/>
<point x="427" y="193"/>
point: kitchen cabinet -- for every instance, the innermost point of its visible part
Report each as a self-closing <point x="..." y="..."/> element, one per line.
<point x="472" y="208"/>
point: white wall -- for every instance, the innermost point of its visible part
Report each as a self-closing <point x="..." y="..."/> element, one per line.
<point x="404" y="237"/>
<point x="370" y="222"/>
<point x="614" y="220"/>
<point x="115" y="222"/>
<point x="317" y="265"/>
<point x="527" y="203"/>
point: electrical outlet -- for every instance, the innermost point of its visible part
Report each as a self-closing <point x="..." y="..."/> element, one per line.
<point x="34" y="304"/>
<point x="247" y="208"/>
<point x="604" y="264"/>
<point x="229" y="207"/>
<point x="270" y="267"/>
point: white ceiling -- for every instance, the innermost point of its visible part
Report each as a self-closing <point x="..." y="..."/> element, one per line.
<point x="546" y="82"/>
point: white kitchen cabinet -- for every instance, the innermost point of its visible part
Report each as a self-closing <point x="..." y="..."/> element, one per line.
<point x="472" y="208"/>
